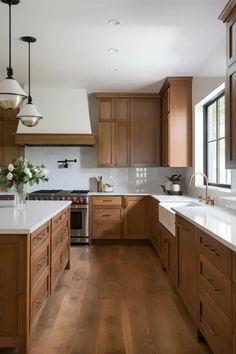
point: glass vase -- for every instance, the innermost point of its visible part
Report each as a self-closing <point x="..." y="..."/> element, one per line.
<point x="20" y="194"/>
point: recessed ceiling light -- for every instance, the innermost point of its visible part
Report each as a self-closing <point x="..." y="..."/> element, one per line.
<point x="113" y="69"/>
<point x="113" y="50"/>
<point x="114" y="22"/>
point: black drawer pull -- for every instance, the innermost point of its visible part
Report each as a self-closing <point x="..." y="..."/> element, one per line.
<point x="211" y="283"/>
<point x="210" y="250"/>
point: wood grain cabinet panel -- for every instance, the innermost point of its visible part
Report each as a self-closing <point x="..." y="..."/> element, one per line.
<point x="39" y="262"/>
<point x="106" y="139"/>
<point x="177" y="122"/>
<point x="145" y="132"/>
<point x="135" y="217"/>
<point x="187" y="264"/>
<point x="228" y="16"/>
<point x="129" y="133"/>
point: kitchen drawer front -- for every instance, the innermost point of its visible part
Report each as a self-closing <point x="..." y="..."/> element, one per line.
<point x="63" y="216"/>
<point x="39" y="297"/>
<point x="56" y="269"/>
<point x="39" y="262"/>
<point x="107" y="230"/>
<point x="106" y="214"/>
<point x="40" y="236"/>
<point x="58" y="237"/>
<point x="110" y="201"/>
<point x="215" y="285"/>
<point x="214" y="329"/>
<point x="216" y="253"/>
<point x="65" y="254"/>
<point x="184" y="224"/>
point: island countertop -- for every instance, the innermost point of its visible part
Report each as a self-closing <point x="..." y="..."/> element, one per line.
<point x="25" y="220"/>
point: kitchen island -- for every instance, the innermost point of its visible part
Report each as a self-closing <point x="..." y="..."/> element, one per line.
<point x="34" y="251"/>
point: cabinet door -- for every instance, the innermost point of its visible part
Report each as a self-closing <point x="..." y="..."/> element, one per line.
<point x="105" y="109"/>
<point x="173" y="259"/>
<point x="188" y="270"/>
<point x="136" y="217"/>
<point x="231" y="41"/>
<point x="165" y="248"/>
<point x="122" y="143"/>
<point x="165" y="127"/>
<point x="121" y="108"/>
<point x="231" y="117"/>
<point x="10" y="149"/>
<point x="145" y="132"/>
<point x="106" y="151"/>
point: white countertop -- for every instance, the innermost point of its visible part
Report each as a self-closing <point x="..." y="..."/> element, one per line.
<point x="25" y="220"/>
<point x="218" y="222"/>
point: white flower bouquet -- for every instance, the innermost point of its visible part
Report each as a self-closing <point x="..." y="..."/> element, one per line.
<point x="21" y="171"/>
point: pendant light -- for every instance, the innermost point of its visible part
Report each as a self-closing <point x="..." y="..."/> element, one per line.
<point x="29" y="115"/>
<point x="11" y="94"/>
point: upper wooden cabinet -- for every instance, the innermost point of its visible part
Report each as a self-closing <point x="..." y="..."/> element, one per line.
<point x="176" y="95"/>
<point x="145" y="132"/>
<point x="8" y="127"/>
<point x="129" y="129"/>
<point x="228" y="16"/>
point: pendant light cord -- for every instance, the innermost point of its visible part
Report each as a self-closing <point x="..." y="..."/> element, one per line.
<point x="29" y="97"/>
<point x="9" y="69"/>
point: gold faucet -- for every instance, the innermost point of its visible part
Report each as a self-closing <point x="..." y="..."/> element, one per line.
<point x="207" y="199"/>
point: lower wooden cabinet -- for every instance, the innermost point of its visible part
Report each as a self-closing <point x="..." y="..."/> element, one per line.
<point x="29" y="271"/>
<point x="187" y="264"/>
<point x="119" y="217"/>
<point x="135" y="217"/>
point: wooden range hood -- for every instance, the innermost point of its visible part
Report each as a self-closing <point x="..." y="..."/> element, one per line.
<point x="50" y="139"/>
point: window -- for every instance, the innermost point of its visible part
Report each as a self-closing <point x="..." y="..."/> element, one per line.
<point x="215" y="143"/>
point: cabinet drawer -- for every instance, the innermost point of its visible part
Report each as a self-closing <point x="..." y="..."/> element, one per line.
<point x="39" y="237"/>
<point x="39" y="262"/>
<point x="213" y="328"/>
<point x="216" y="253"/>
<point x="107" y="214"/>
<point x="215" y="285"/>
<point x="107" y="230"/>
<point x="60" y="218"/>
<point x="58" y="238"/>
<point x="39" y="298"/>
<point x="56" y="269"/>
<point x="111" y="201"/>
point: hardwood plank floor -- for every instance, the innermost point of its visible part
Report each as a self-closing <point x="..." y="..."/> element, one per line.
<point x="116" y="299"/>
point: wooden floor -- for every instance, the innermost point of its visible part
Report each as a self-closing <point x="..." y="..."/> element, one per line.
<point x="116" y="299"/>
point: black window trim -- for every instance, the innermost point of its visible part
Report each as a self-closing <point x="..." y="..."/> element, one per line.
<point x="205" y="144"/>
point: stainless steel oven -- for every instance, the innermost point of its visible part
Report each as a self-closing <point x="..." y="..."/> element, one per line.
<point x="79" y="224"/>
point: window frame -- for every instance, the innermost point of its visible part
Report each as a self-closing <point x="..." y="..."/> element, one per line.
<point x="205" y="144"/>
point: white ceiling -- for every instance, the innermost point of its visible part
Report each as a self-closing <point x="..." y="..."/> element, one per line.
<point x="156" y="38"/>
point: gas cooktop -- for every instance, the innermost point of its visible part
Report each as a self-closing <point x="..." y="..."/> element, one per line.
<point x="61" y="192"/>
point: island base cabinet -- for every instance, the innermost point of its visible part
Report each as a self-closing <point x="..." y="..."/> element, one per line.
<point x="14" y="291"/>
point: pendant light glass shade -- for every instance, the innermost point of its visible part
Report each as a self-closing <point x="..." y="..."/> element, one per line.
<point x="11" y="94"/>
<point x="29" y="115"/>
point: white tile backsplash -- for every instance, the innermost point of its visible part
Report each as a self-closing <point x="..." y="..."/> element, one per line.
<point x="81" y="174"/>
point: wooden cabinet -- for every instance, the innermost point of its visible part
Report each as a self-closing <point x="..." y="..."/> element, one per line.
<point x="8" y="127"/>
<point x="177" y="122"/>
<point x="119" y="217"/>
<point x="187" y="264"/>
<point x="215" y="293"/>
<point x="106" y="217"/>
<point x="145" y="132"/>
<point x="29" y="272"/>
<point x="228" y="16"/>
<point x="155" y="230"/>
<point x="124" y="139"/>
<point x="135" y="217"/>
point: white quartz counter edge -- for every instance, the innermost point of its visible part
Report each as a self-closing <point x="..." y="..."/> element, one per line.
<point x="33" y="206"/>
<point x="218" y="222"/>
